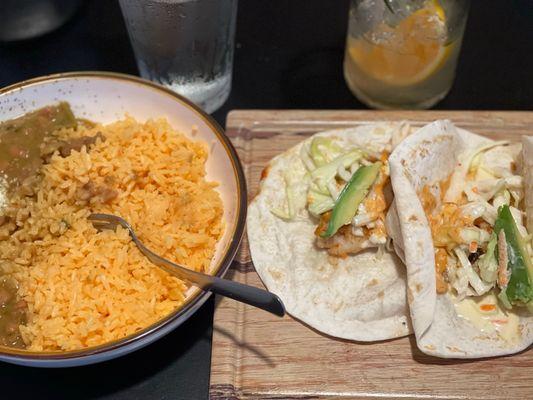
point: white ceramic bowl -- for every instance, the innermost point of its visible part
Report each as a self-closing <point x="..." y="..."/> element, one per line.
<point x="105" y="97"/>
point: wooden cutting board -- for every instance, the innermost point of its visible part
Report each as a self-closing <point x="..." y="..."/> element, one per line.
<point x="258" y="356"/>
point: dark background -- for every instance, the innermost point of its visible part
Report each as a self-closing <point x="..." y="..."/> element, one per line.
<point x="288" y="55"/>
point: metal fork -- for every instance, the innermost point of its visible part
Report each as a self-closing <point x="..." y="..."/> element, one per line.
<point x="247" y="294"/>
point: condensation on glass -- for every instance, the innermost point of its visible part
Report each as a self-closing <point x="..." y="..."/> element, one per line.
<point x="186" y="45"/>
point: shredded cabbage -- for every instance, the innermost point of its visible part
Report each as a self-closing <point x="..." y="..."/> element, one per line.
<point x="476" y="162"/>
<point x="459" y="175"/>
<point x="490" y="189"/>
<point x="485" y="189"/>
<point x="326" y="173"/>
<point x="334" y="191"/>
<point x="484" y="173"/>
<point x="474" y="234"/>
<point x="362" y="219"/>
<point x="517" y="196"/>
<point x="354" y="167"/>
<point x="514" y="182"/>
<point x="288" y="213"/>
<point x="325" y="161"/>
<point x="315" y="188"/>
<point x="323" y="150"/>
<point x="343" y="173"/>
<point x="399" y="134"/>
<point x="458" y="278"/>
<point x="473" y="210"/>
<point x="519" y="220"/>
<point x="488" y="265"/>
<point x="304" y="156"/>
<point x="295" y="194"/>
<point x="502" y="198"/>
<point x="318" y="203"/>
<point x="474" y="280"/>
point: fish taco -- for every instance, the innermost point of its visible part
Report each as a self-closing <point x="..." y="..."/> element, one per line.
<point x="462" y="220"/>
<point x="317" y="234"/>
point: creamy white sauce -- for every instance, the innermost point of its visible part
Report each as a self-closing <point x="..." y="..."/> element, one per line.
<point x="485" y="314"/>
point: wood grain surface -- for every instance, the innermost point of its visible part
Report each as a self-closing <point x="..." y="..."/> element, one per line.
<point x="258" y="356"/>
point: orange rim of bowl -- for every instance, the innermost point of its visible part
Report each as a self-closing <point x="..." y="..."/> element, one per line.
<point x="228" y="252"/>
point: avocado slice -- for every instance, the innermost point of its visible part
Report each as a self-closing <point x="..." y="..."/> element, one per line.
<point x="351" y="196"/>
<point x="519" y="289"/>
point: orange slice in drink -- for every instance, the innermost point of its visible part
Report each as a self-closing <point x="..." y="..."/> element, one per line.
<point x="405" y="54"/>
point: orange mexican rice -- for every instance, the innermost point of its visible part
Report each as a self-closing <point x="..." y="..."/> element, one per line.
<point x="81" y="287"/>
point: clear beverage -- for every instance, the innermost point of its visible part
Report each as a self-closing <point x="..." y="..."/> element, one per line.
<point x="186" y="45"/>
<point x="403" y="53"/>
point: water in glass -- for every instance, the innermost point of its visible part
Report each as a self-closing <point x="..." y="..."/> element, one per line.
<point x="187" y="45"/>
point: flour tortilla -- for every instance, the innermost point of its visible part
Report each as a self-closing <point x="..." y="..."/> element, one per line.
<point x="361" y="297"/>
<point x="426" y="157"/>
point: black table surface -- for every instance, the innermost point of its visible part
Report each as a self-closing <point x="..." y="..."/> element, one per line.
<point x="288" y="56"/>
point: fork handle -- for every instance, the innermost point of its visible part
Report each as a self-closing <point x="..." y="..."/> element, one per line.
<point x="248" y="294"/>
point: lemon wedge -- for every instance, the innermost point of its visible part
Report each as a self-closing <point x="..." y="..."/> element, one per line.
<point x="408" y="53"/>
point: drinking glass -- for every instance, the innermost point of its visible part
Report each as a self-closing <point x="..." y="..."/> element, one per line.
<point x="26" y="19"/>
<point x="403" y="53"/>
<point x="186" y="45"/>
